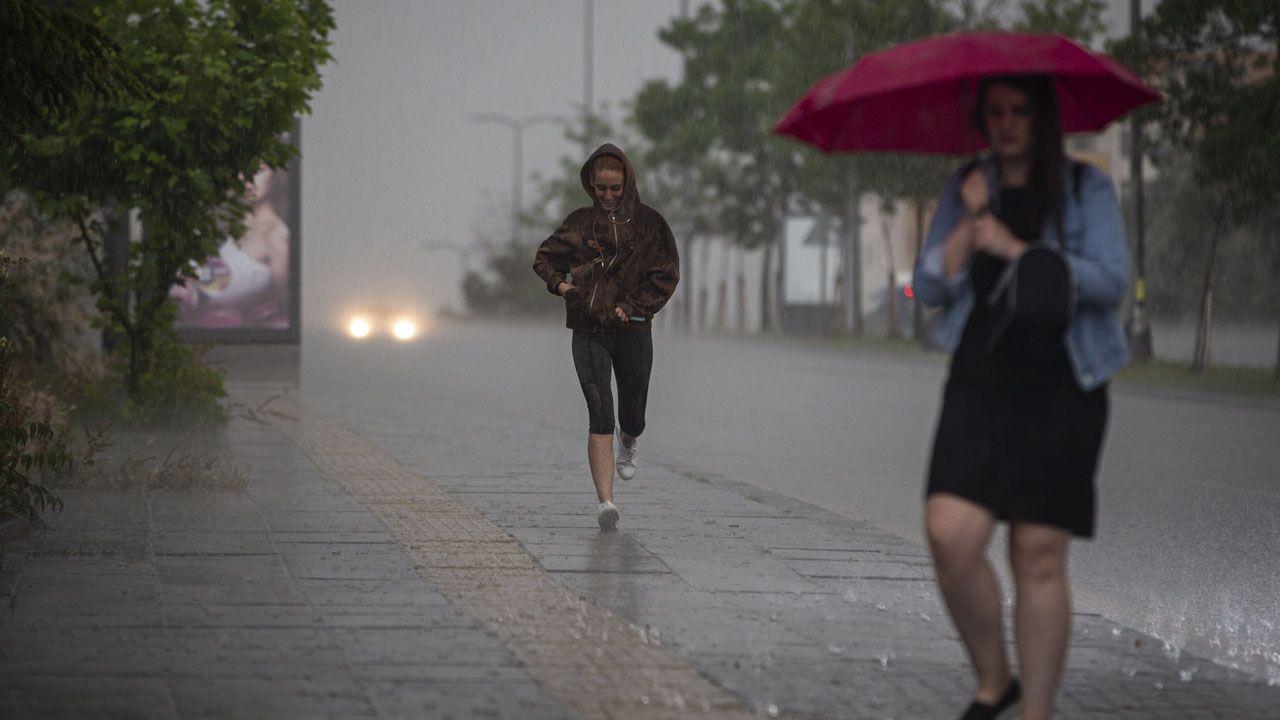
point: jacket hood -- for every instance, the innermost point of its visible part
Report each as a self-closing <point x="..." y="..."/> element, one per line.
<point x="630" y="195"/>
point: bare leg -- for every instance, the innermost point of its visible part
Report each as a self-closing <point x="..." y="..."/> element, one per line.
<point x="600" y="457"/>
<point x="1042" y="614"/>
<point x="959" y="532"/>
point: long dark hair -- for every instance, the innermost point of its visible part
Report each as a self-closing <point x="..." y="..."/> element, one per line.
<point x="1044" y="186"/>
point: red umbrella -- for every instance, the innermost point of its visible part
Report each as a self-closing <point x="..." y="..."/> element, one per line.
<point x="918" y="97"/>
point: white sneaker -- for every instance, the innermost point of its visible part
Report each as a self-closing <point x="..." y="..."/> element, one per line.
<point x="626" y="463"/>
<point x="608" y="516"/>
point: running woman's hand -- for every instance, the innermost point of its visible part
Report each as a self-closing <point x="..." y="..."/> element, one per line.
<point x="622" y="314"/>
<point x="563" y="288"/>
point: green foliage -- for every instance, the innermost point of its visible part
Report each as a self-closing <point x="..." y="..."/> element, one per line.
<point x="48" y="308"/>
<point x="28" y="443"/>
<point x="507" y="287"/>
<point x="1078" y="19"/>
<point x="176" y="390"/>
<point x="858" y="28"/>
<point x="1216" y="63"/>
<point x="561" y="193"/>
<point x="27" y="447"/>
<point x="1179" y="219"/>
<point x="713" y="128"/>
<point x="229" y="78"/>
<point x="50" y="62"/>
<point x="747" y="61"/>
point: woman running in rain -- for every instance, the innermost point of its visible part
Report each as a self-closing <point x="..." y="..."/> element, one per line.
<point x="1024" y="411"/>
<point x="622" y="267"/>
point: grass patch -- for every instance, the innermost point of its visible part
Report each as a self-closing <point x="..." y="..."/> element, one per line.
<point x="1220" y="380"/>
<point x="870" y="344"/>
<point x="124" y="459"/>
<point x="1233" y="381"/>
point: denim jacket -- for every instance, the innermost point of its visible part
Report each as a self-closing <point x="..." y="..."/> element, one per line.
<point x="1096" y="252"/>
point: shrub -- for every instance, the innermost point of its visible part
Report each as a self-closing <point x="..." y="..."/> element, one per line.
<point x="30" y="445"/>
<point x="178" y="391"/>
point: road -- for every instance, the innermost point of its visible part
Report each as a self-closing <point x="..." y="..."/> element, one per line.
<point x="1189" y="504"/>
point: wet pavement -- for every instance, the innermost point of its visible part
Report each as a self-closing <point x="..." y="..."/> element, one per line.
<point x="439" y="558"/>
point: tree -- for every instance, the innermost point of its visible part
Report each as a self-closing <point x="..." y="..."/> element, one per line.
<point x="29" y="444"/>
<point x="1216" y="63"/>
<point x="51" y="61"/>
<point x="828" y="36"/>
<point x="712" y="128"/>
<point x="1079" y="19"/>
<point x="229" y="78"/>
<point x="747" y="61"/>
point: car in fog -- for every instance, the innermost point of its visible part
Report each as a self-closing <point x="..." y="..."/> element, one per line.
<point x="374" y="322"/>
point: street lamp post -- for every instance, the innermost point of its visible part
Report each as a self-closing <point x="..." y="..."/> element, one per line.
<point x="1138" y="328"/>
<point x="517" y="126"/>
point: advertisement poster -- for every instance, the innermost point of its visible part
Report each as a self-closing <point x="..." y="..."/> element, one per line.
<point x="249" y="290"/>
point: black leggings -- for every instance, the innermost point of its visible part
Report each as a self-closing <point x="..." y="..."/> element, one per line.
<point x="630" y="353"/>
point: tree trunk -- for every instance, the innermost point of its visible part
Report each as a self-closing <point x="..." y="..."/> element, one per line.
<point x="891" y="304"/>
<point x="1200" y="355"/>
<point x="742" y="293"/>
<point x="134" y="383"/>
<point x="853" y="265"/>
<point x="687" y="271"/>
<point x="766" y="286"/>
<point x="766" y="268"/>
<point x="722" y="287"/>
<point x="775" y="302"/>
<point x="917" y="310"/>
<point x="835" y="323"/>
<point x="1276" y="374"/>
<point x="702" y="309"/>
<point x="823" y="302"/>
<point x="704" y="285"/>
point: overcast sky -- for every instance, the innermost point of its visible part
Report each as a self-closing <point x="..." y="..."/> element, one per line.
<point x="392" y="158"/>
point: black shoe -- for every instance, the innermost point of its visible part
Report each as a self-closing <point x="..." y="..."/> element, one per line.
<point x="983" y="711"/>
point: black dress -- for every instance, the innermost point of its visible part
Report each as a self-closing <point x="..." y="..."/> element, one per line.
<point x="1017" y="435"/>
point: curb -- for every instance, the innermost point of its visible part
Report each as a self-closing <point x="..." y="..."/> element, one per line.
<point x="13" y="527"/>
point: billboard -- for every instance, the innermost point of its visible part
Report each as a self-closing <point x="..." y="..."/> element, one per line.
<point x="249" y="290"/>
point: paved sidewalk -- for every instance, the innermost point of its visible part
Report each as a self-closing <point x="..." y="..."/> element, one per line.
<point x="444" y="562"/>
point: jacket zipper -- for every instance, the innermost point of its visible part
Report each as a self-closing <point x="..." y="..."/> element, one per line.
<point x="592" y="304"/>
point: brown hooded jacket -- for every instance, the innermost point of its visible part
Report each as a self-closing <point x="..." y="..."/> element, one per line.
<point x="624" y="259"/>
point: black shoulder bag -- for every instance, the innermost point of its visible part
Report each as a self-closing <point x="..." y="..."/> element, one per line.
<point x="1035" y="299"/>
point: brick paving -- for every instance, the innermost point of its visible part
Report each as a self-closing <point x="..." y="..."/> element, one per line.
<point x="596" y="664"/>
<point x="784" y="604"/>
<point x="443" y="562"/>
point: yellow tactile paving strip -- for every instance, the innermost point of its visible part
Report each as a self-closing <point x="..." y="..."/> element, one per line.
<point x="592" y="661"/>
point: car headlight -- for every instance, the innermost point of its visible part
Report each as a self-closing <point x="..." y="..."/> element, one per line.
<point x="404" y="329"/>
<point x="359" y="327"/>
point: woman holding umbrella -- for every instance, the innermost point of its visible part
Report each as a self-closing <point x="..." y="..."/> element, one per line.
<point x="1024" y="410"/>
<point x="1026" y="257"/>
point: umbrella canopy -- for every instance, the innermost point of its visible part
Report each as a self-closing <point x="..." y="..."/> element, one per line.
<point x="918" y="97"/>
